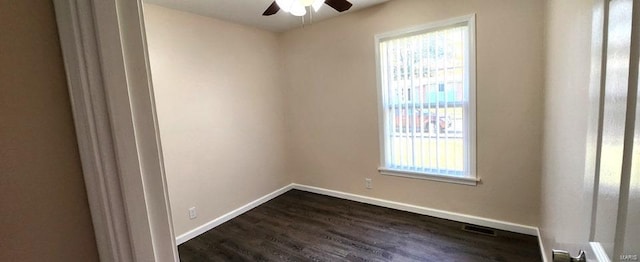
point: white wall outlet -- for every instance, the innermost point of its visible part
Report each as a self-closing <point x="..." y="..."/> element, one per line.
<point x="192" y="213"/>
<point x="367" y="183"/>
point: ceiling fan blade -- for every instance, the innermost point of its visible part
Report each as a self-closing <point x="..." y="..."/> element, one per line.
<point x="339" y="5"/>
<point x="272" y="9"/>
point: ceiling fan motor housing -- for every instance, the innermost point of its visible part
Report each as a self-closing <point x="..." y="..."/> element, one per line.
<point x="299" y="7"/>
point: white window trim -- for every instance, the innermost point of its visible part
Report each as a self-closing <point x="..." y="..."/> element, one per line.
<point x="472" y="179"/>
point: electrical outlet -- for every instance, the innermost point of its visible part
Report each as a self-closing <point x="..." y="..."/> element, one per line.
<point x="367" y="183"/>
<point x="192" y="213"/>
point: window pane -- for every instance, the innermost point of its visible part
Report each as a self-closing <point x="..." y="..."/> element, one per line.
<point x="424" y="98"/>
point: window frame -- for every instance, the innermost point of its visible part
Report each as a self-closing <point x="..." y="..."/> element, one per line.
<point x="470" y="177"/>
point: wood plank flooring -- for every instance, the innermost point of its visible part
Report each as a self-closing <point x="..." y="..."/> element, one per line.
<point x="302" y="226"/>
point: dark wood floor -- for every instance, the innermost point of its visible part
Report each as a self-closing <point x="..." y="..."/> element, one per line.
<point x="301" y="226"/>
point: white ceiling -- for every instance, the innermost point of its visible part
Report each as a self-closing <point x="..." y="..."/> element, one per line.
<point x="249" y="12"/>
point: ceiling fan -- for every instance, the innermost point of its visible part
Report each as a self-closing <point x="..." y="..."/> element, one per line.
<point x="298" y="7"/>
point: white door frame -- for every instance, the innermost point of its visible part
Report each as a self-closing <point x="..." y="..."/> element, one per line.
<point x="105" y="55"/>
<point x="600" y="14"/>
<point x="595" y="135"/>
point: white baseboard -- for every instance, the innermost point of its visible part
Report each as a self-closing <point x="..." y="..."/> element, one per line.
<point x="542" y="250"/>
<point x="497" y="224"/>
<point x="480" y="221"/>
<point x="228" y="216"/>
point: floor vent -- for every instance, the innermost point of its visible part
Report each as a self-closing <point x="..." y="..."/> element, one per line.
<point x="479" y="230"/>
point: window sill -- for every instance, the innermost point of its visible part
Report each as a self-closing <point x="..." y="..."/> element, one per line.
<point x="470" y="181"/>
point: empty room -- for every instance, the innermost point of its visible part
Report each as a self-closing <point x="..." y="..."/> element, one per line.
<point x="320" y="130"/>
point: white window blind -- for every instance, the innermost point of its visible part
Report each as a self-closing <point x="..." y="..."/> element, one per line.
<point x="427" y="101"/>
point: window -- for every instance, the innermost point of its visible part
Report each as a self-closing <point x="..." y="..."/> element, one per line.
<point x="426" y="86"/>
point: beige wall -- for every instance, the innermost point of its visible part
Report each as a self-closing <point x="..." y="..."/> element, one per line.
<point x="568" y="51"/>
<point x="221" y="112"/>
<point x="44" y="212"/>
<point x="332" y="106"/>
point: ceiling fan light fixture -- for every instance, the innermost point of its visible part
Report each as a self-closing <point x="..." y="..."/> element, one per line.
<point x="317" y="4"/>
<point x="306" y="2"/>
<point x="285" y="5"/>
<point x="298" y="9"/>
